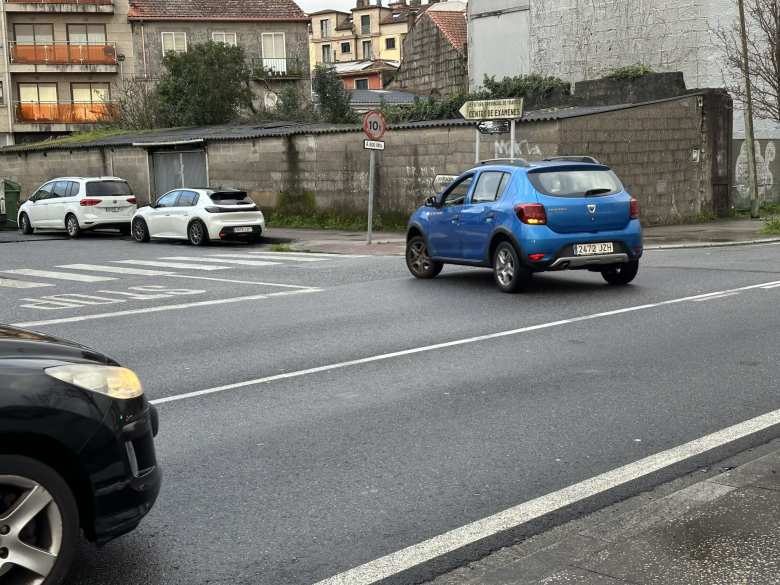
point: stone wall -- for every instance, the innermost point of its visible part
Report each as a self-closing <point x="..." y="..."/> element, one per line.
<point x="432" y="65"/>
<point x="767" y="168"/>
<point x="670" y="154"/>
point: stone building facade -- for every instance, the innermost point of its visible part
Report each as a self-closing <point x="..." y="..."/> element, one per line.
<point x="435" y="61"/>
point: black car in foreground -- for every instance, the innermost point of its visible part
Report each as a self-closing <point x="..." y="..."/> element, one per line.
<point x="76" y="454"/>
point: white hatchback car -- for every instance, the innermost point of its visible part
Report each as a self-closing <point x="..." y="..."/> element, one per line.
<point x="200" y="215"/>
<point x="79" y="203"/>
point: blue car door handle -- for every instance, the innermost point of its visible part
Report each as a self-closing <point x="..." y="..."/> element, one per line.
<point x="490" y="217"/>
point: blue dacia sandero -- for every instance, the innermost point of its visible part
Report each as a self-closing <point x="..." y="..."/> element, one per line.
<point x="519" y="217"/>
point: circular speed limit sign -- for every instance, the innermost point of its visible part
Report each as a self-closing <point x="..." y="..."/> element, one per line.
<point x="374" y="125"/>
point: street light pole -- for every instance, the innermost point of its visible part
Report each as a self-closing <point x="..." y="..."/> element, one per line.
<point x="749" y="135"/>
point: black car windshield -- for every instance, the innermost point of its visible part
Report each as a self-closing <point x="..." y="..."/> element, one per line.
<point x="108" y="188"/>
<point x="231" y="198"/>
<point x="576" y="182"/>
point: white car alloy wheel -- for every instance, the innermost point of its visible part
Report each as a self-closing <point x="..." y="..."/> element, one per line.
<point x="72" y="226"/>
<point x="31" y="531"/>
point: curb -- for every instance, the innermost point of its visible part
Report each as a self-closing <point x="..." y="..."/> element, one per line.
<point x="441" y="554"/>
<point x="712" y="244"/>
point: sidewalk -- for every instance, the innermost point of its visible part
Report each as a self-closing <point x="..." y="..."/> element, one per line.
<point x="722" y="232"/>
<point x="723" y="530"/>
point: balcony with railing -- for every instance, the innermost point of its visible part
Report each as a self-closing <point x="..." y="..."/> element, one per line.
<point x="270" y="68"/>
<point x="65" y="112"/>
<point x="101" y="6"/>
<point x="62" y="56"/>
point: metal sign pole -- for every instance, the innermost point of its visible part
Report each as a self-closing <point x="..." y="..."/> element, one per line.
<point x="371" y="173"/>
<point x="477" y="133"/>
<point x="512" y="141"/>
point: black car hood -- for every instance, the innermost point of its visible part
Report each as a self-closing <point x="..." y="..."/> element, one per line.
<point x="22" y="344"/>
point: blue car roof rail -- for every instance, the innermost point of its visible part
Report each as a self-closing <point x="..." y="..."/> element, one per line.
<point x="515" y="162"/>
<point x="578" y="158"/>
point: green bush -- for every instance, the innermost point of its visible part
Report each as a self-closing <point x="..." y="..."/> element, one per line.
<point x="629" y="72"/>
<point x="333" y="98"/>
<point x="771" y="226"/>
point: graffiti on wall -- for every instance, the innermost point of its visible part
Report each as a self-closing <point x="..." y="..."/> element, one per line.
<point x="765" y="179"/>
<point x="523" y="148"/>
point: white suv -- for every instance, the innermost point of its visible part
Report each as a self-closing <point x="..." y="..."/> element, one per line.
<point x="79" y="203"/>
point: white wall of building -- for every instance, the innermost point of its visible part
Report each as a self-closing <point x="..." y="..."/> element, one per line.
<point x="499" y="39"/>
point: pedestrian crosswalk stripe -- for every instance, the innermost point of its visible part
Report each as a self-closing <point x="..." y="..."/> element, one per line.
<point x="9" y="283"/>
<point x="115" y="269"/>
<point x="59" y="275"/>
<point x="268" y="257"/>
<point x="172" y="265"/>
<point x="246" y="262"/>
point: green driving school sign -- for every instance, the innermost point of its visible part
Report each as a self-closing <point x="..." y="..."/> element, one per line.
<point x="511" y="109"/>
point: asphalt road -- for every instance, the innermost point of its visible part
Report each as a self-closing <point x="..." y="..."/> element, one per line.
<point x="304" y="475"/>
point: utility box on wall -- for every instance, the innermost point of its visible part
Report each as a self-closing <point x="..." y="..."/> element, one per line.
<point x="10" y="193"/>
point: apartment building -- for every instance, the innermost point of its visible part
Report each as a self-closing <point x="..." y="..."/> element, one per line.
<point x="62" y="65"/>
<point x="273" y="33"/>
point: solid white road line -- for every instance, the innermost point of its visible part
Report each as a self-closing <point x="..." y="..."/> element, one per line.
<point x="59" y="275"/>
<point x="516" y="516"/>
<point x="771" y="286"/>
<point x="163" y="308"/>
<point x="268" y="257"/>
<point x="231" y="281"/>
<point x="208" y="267"/>
<point x="115" y="269"/>
<point x="445" y="345"/>
<point x="236" y="262"/>
<point x="10" y="283"/>
<point x="715" y="297"/>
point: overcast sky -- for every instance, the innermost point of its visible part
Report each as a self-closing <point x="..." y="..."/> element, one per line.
<point x="345" y="5"/>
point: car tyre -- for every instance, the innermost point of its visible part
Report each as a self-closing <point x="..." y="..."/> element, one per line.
<point x="72" y="226"/>
<point x="419" y="263"/>
<point x="621" y="274"/>
<point x="509" y="273"/>
<point x="54" y="530"/>
<point x="25" y="226"/>
<point x="197" y="233"/>
<point x="140" y="231"/>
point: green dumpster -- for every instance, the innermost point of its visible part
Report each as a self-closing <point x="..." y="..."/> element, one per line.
<point x="10" y="195"/>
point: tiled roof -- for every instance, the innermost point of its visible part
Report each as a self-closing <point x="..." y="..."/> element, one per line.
<point x="219" y="10"/>
<point x="452" y="25"/>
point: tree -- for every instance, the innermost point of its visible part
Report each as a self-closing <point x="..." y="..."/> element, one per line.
<point x="763" y="57"/>
<point x="334" y="99"/>
<point x="138" y="106"/>
<point x="209" y="84"/>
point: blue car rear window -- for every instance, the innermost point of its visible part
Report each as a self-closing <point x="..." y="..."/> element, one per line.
<point x="581" y="182"/>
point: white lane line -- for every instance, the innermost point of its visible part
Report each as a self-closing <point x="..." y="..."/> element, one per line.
<point x="268" y="257"/>
<point x="115" y="269"/>
<point x="10" y="283"/>
<point x="444" y="345"/>
<point x="246" y="262"/>
<point x="231" y="281"/>
<point x="715" y="297"/>
<point x="315" y="254"/>
<point x="526" y="512"/>
<point x="771" y="286"/>
<point x="59" y="275"/>
<point x="163" y="308"/>
<point x="172" y="265"/>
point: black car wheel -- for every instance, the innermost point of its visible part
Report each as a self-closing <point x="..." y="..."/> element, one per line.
<point x="509" y="273"/>
<point x="39" y="523"/>
<point x="621" y="274"/>
<point x="140" y="231"/>
<point x="72" y="226"/>
<point x="418" y="261"/>
<point x="24" y="225"/>
<point x="197" y="233"/>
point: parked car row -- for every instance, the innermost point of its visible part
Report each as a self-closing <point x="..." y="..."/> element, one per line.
<point x="76" y="204"/>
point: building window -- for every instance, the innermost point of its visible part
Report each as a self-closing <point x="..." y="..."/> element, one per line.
<point x="225" y="37"/>
<point x="365" y="24"/>
<point x="325" y="28"/>
<point x="327" y="56"/>
<point x="90" y="93"/>
<point x="346" y="48"/>
<point x="38" y="93"/>
<point x="367" y="52"/>
<point x="34" y="34"/>
<point x="2" y="93"/>
<point x="175" y="42"/>
<point x="390" y="43"/>
<point x="361" y="84"/>
<point x="87" y="34"/>
<point x="274" y="52"/>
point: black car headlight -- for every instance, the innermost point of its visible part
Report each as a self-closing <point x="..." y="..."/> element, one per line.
<point x="120" y="383"/>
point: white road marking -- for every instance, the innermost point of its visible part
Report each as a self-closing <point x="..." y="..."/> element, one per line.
<point x="231" y="281"/>
<point x="10" y="283"/>
<point x="163" y="308"/>
<point x="445" y="345"/>
<point x="236" y="262"/>
<point x="59" y="275"/>
<point x="267" y="257"/>
<point x="771" y="286"/>
<point x="172" y="265"/>
<point x="526" y="512"/>
<point x="314" y="254"/>
<point x="715" y="297"/>
<point x="115" y="269"/>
